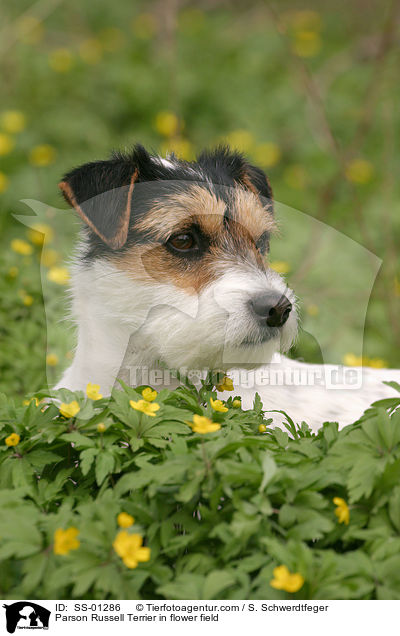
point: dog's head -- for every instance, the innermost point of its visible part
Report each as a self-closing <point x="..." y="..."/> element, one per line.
<point x="180" y="255"/>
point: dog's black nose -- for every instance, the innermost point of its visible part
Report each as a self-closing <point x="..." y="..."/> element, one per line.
<point x="272" y="308"/>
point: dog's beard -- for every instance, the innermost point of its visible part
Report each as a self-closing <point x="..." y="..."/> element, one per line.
<point x="212" y="330"/>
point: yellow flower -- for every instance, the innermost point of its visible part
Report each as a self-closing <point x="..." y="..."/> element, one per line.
<point x="101" y="427"/>
<point x="34" y="399"/>
<point x="312" y="310"/>
<point x="226" y="384"/>
<point x="12" y="121"/>
<point x="342" y="511"/>
<point x="166" y="123"/>
<point x="70" y="409"/>
<point x="182" y="148"/>
<point x="13" y="439"/>
<point x="4" y="181"/>
<point x="307" y="43"/>
<point x="65" y="540"/>
<point x="282" y="267"/>
<point x="130" y="548"/>
<point x="52" y="359"/>
<point x="6" y="144"/>
<point x="267" y="154"/>
<point x="202" y="424"/>
<point x="38" y="232"/>
<point x="59" y="275"/>
<point x="145" y="407"/>
<point x="237" y="404"/>
<point x="241" y="140"/>
<point x="60" y="60"/>
<point x="21" y="247"/>
<point x="218" y="405"/>
<point x="144" y="26"/>
<point x="124" y="520"/>
<point x="90" y="51"/>
<point x="29" y="29"/>
<point x="359" y="171"/>
<point x="42" y="155"/>
<point x="284" y="580"/>
<point x="49" y="257"/>
<point x="92" y="391"/>
<point x="377" y="363"/>
<point x="149" y="395"/>
<point x="27" y="299"/>
<point x="304" y="19"/>
<point x="262" y="428"/>
<point x="352" y="360"/>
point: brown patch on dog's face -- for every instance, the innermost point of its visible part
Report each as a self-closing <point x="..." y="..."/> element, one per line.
<point x="251" y="215"/>
<point x="226" y="231"/>
<point x="176" y="212"/>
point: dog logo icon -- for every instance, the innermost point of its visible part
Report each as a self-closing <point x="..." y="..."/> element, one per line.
<point x="26" y="615"/>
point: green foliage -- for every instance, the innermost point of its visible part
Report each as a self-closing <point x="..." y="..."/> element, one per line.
<point x="219" y="511"/>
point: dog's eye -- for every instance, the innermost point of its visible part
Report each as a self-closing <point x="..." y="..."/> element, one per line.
<point x="183" y="242"/>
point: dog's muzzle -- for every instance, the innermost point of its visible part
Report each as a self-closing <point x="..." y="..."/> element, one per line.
<point x="271" y="309"/>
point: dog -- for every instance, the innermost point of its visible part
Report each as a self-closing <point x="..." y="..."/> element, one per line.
<point x="172" y="272"/>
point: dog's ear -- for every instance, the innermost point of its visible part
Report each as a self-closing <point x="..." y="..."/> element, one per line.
<point x="101" y="193"/>
<point x="255" y="179"/>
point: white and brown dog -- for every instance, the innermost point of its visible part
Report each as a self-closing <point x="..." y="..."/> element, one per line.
<point x="172" y="272"/>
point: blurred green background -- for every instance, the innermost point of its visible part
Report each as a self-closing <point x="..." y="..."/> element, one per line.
<point x="308" y="90"/>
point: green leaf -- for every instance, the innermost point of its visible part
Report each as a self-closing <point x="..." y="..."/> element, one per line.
<point x="40" y="458"/>
<point x="86" y="459"/>
<point x="22" y="472"/>
<point x="216" y="583"/>
<point x="363" y="476"/>
<point x="281" y="437"/>
<point x="310" y="525"/>
<point x="386" y="430"/>
<point x="188" y="491"/>
<point x="393" y="385"/>
<point x="34" y="570"/>
<point x="80" y="441"/>
<point x="85" y="580"/>
<point x="19" y="536"/>
<point x="394" y="508"/>
<point x="269" y="469"/>
<point x="287" y="515"/>
<point x="185" y="586"/>
<point x="105" y="463"/>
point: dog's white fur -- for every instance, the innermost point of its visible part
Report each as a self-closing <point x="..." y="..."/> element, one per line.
<point x="164" y="323"/>
<point x="122" y="322"/>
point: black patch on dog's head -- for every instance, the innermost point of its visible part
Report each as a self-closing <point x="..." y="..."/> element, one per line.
<point x="229" y="167"/>
<point x="103" y="192"/>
